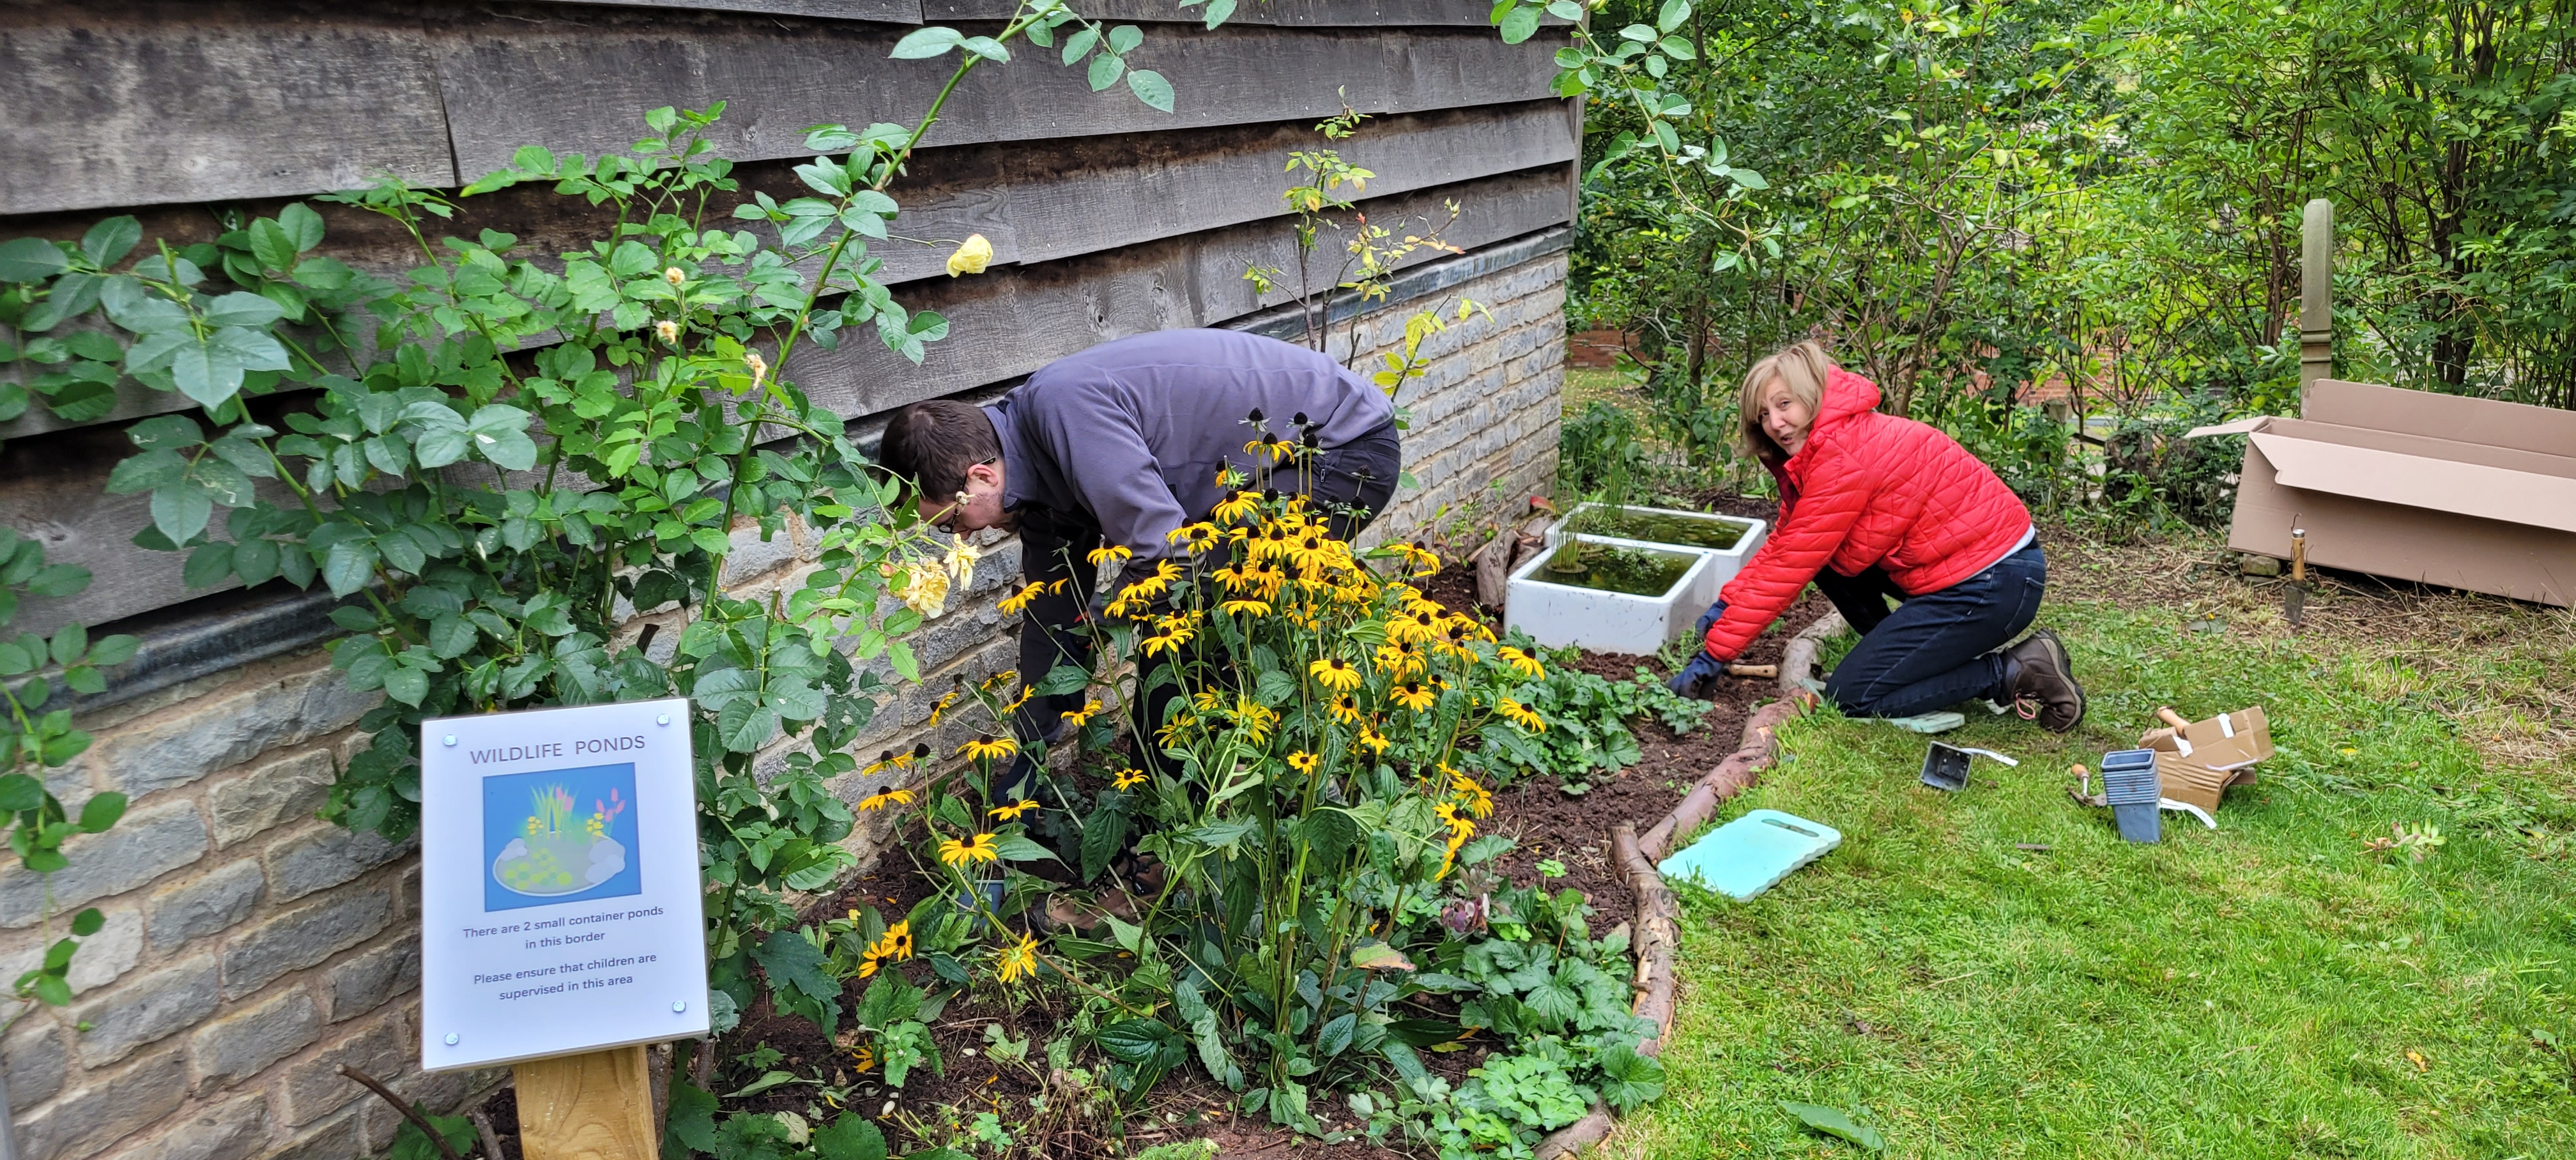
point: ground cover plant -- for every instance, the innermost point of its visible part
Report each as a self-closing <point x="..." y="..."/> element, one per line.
<point x="2371" y="957"/>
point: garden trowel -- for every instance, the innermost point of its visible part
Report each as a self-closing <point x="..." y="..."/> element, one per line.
<point x="2294" y="599"/>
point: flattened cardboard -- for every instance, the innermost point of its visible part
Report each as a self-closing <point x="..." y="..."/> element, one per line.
<point x="2196" y="768"/>
<point x="2467" y="493"/>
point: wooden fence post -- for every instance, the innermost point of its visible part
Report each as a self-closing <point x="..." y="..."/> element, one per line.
<point x="597" y="1105"/>
<point x="2316" y="294"/>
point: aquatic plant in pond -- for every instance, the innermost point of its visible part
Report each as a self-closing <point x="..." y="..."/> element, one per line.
<point x="1663" y="528"/>
<point x="1606" y="568"/>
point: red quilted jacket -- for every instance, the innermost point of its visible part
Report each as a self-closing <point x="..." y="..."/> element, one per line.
<point x="1870" y="489"/>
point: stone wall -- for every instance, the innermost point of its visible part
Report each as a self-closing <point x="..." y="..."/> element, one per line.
<point x="251" y="949"/>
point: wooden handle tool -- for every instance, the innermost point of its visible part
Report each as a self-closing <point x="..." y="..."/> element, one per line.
<point x="1734" y="670"/>
<point x="2169" y="717"/>
<point x="2294" y="599"/>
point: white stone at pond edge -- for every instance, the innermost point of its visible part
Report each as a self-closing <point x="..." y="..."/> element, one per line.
<point x="1723" y="563"/>
<point x="1556" y="615"/>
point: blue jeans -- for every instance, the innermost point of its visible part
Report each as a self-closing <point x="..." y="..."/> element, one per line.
<point x="1937" y="649"/>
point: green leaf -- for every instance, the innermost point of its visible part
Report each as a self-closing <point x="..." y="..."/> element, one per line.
<point x="88" y="922"/>
<point x="1520" y="24"/>
<point x="100" y="813"/>
<point x="19" y="792"/>
<point x="1079" y="44"/>
<point x="407" y="685"/>
<point x="58" y="580"/>
<point x="1677" y="48"/>
<point x="31" y="260"/>
<point x="180" y="511"/>
<point x="303" y="226"/>
<point x="241" y="309"/>
<point x="1020" y="849"/>
<point x="348" y="566"/>
<point x="113" y="650"/>
<point x="1834" y="1122"/>
<point x="1336" y="1035"/>
<point x="850" y="1137"/>
<point x="1424" y="1032"/>
<point x="1105" y="71"/>
<point x="691" y="1121"/>
<point x="1125" y="38"/>
<point x="1150" y="87"/>
<point x="1673" y="14"/>
<point x="986" y="48"/>
<point x="1135" y="1040"/>
<point x="795" y="964"/>
<point x="925" y="43"/>
<point x="110" y="241"/>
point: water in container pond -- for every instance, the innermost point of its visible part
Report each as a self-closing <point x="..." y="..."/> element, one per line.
<point x="1656" y="527"/>
<point x="1634" y="571"/>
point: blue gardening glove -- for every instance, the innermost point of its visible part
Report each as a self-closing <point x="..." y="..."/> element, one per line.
<point x="1696" y="677"/>
<point x="1715" y="610"/>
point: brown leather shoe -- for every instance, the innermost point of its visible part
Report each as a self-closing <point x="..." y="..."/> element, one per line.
<point x="2043" y="683"/>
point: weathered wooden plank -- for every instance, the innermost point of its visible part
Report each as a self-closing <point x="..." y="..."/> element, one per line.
<point x="1058" y="308"/>
<point x="506" y="83"/>
<point x="149" y="103"/>
<point x="1037" y="202"/>
<point x="893" y="11"/>
<point x="1312" y="13"/>
<point x="1005" y="323"/>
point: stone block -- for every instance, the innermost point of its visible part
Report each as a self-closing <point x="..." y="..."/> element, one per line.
<point x="146" y="1010"/>
<point x="314" y="1088"/>
<point x="239" y="1045"/>
<point x="145" y="844"/>
<point x="231" y="1130"/>
<point x="201" y="906"/>
<point x="325" y="856"/>
<point x="282" y="790"/>
<point x="302" y="937"/>
<point x="185" y="742"/>
<point x="366" y="980"/>
<point x="109" y="1108"/>
<point x="338" y="1138"/>
<point x="103" y="957"/>
<point x="34" y="1059"/>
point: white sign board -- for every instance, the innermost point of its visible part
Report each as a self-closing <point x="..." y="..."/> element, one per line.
<point x="559" y="892"/>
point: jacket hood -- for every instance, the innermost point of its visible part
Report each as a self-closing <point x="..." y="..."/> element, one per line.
<point x="1846" y="395"/>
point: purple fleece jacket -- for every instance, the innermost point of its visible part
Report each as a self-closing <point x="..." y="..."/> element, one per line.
<point x="1130" y="432"/>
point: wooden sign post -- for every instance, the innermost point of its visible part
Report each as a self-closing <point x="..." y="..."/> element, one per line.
<point x="561" y="913"/>
<point x="594" y="1106"/>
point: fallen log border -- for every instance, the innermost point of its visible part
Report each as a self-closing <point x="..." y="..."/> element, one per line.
<point x="1657" y="928"/>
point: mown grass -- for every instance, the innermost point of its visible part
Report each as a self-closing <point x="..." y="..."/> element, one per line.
<point x="2272" y="988"/>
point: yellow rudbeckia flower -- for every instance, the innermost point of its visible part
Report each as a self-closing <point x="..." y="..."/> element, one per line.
<point x="979" y="848"/>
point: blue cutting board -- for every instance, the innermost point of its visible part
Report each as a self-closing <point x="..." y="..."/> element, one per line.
<point x="1751" y="854"/>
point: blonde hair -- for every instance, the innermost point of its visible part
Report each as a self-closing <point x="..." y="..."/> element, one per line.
<point x="1801" y="368"/>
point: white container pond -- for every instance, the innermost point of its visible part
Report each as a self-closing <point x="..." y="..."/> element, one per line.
<point x="1728" y="540"/>
<point x="1556" y="609"/>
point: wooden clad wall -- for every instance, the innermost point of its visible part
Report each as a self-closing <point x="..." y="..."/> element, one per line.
<point x="1107" y="217"/>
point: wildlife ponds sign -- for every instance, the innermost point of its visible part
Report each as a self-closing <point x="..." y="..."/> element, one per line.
<point x="560" y="897"/>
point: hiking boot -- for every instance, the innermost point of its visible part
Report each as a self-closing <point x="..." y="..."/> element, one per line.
<point x="2042" y="683"/>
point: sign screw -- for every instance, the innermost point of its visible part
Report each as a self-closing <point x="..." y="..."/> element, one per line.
<point x="450" y="739"/>
<point x="679" y="1005"/>
<point x="451" y="1039"/>
<point x="664" y="719"/>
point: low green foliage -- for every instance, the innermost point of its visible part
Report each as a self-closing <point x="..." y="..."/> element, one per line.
<point x="34" y="739"/>
<point x="2293" y="983"/>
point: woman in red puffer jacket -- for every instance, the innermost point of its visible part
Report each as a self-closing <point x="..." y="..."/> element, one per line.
<point x="1871" y="507"/>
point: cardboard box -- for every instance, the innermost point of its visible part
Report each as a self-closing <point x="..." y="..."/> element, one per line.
<point x="2441" y="489"/>
<point x="2196" y="764"/>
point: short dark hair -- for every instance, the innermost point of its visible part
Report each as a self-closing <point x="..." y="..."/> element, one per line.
<point x="933" y="444"/>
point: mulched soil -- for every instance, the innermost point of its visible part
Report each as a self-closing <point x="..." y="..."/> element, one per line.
<point x="1546" y="823"/>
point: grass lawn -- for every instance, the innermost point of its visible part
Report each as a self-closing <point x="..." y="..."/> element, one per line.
<point x="2268" y="989"/>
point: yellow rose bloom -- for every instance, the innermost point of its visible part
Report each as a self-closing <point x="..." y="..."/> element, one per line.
<point x="971" y="256"/>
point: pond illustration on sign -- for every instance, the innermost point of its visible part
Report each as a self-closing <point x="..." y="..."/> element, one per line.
<point x="559" y="835"/>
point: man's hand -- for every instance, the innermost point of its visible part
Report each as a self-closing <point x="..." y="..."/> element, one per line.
<point x="1696" y="677"/>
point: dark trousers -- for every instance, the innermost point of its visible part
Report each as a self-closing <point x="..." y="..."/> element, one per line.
<point x="1934" y="650"/>
<point x="1352" y="483"/>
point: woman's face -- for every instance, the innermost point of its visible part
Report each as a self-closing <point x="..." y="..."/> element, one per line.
<point x="1784" y="418"/>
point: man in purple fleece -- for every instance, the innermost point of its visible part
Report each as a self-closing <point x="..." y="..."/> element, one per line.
<point x="1122" y="443"/>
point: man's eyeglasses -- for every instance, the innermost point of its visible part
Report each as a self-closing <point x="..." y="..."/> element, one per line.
<point x="948" y="523"/>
